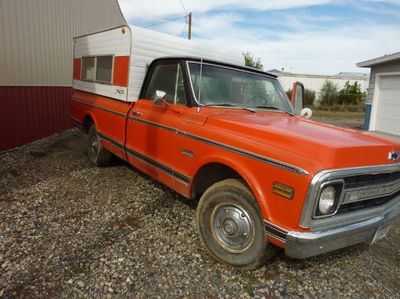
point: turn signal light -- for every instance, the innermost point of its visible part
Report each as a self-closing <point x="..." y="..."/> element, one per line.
<point x="283" y="190"/>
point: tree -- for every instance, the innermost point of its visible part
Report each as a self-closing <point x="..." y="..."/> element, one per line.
<point x="309" y="96"/>
<point x="254" y="88"/>
<point x="351" y="94"/>
<point x="329" y="93"/>
<point x="251" y="61"/>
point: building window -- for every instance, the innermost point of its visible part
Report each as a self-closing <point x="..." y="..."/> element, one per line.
<point x="97" y="69"/>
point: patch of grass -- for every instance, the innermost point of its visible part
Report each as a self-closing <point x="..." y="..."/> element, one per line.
<point x="317" y="114"/>
<point x="82" y="269"/>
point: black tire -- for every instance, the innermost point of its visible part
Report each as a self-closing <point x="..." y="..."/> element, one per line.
<point x="98" y="155"/>
<point x="231" y="226"/>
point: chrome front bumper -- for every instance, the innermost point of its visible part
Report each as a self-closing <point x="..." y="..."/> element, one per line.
<point x="308" y="244"/>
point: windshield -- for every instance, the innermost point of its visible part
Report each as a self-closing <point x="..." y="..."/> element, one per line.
<point x="218" y="85"/>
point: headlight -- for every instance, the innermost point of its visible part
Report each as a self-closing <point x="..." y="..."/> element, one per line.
<point x="327" y="200"/>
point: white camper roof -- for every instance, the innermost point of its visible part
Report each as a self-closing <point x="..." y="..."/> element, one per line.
<point x="148" y="45"/>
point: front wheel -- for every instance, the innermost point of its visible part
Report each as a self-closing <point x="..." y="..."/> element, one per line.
<point x="231" y="226"/>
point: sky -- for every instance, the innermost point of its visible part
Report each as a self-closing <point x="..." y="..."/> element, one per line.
<point x="299" y="36"/>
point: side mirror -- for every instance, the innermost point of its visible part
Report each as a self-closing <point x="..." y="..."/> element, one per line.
<point x="297" y="97"/>
<point x="298" y="101"/>
<point x="159" y="97"/>
<point x="306" y="113"/>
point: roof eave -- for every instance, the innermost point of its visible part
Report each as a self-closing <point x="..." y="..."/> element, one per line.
<point x="379" y="60"/>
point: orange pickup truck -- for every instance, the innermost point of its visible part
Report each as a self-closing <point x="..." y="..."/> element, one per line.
<point x="228" y="136"/>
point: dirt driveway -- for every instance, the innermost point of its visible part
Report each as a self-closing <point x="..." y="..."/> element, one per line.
<point x="71" y="230"/>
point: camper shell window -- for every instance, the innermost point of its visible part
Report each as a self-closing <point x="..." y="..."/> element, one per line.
<point x="98" y="68"/>
<point x="88" y="67"/>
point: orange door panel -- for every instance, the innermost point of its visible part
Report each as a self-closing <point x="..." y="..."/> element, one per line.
<point x="149" y="141"/>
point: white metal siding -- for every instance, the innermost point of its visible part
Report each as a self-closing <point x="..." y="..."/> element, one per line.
<point x="393" y="66"/>
<point x="111" y="42"/>
<point x="111" y="91"/>
<point x="115" y="42"/>
<point x="388" y="108"/>
<point x="148" y="45"/>
<point x="36" y="47"/>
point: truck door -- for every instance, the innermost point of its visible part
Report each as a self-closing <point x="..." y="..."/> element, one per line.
<point x="151" y="128"/>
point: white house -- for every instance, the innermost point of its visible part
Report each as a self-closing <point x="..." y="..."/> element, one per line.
<point x="383" y="103"/>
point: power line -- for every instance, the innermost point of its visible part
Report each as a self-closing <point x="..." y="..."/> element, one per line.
<point x="184" y="27"/>
<point x="163" y="22"/>
<point x="184" y="8"/>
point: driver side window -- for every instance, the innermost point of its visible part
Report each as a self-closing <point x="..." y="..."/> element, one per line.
<point x="168" y="78"/>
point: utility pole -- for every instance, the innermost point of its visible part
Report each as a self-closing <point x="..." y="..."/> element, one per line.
<point x="190" y="26"/>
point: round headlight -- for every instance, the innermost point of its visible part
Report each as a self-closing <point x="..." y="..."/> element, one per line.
<point x="327" y="199"/>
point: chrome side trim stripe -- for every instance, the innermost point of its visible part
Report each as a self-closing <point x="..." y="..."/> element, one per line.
<point x="233" y="149"/>
<point x="112" y="140"/>
<point x="147" y="122"/>
<point x="184" y="179"/>
<point x="76" y="122"/>
<point x="275" y="231"/>
<point x="248" y="154"/>
<point x="98" y="107"/>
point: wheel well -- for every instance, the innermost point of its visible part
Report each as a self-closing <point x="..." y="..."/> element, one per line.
<point x="208" y="175"/>
<point x="87" y="123"/>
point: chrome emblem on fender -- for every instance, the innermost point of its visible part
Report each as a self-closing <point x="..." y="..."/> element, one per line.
<point x="394" y="156"/>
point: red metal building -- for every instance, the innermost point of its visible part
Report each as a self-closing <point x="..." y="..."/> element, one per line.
<point x="36" y="54"/>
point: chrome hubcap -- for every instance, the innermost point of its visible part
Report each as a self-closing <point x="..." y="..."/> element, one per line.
<point x="232" y="227"/>
<point x="93" y="145"/>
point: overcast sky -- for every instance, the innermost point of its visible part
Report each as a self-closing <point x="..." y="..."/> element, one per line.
<point x="302" y="36"/>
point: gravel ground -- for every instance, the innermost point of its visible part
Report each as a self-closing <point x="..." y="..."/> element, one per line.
<point x="71" y="230"/>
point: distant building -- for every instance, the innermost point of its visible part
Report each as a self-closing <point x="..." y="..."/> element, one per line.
<point x="383" y="103"/>
<point x="36" y="57"/>
<point x="315" y="82"/>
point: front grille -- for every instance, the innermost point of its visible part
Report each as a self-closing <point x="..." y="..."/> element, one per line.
<point x="369" y="203"/>
<point x="370" y="179"/>
<point x="382" y="187"/>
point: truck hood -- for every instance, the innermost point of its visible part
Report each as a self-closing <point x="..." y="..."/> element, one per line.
<point x="304" y="143"/>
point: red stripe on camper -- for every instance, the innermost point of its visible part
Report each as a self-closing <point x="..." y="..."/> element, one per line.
<point x="77" y="69"/>
<point x="121" y="67"/>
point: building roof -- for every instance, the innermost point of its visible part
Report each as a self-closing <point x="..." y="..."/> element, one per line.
<point x="379" y="60"/>
<point x="352" y="74"/>
<point x="341" y="75"/>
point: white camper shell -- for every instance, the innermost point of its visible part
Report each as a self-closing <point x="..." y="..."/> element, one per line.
<point x="142" y="46"/>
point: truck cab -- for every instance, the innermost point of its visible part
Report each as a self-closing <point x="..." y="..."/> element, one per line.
<point x="265" y="176"/>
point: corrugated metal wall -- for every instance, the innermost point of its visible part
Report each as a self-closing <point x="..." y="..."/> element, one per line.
<point x="36" y="49"/>
<point x="36" y="37"/>
<point x="30" y="113"/>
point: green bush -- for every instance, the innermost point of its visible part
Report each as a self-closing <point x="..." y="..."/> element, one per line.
<point x="309" y="96"/>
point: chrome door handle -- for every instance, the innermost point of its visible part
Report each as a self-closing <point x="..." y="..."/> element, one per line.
<point x="137" y="113"/>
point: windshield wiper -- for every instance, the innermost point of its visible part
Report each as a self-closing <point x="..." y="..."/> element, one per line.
<point x="273" y="108"/>
<point x="230" y="105"/>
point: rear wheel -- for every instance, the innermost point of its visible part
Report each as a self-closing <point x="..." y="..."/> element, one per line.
<point x="231" y="226"/>
<point x="98" y="155"/>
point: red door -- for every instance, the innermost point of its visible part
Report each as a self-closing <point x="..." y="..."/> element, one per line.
<point x="152" y="128"/>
